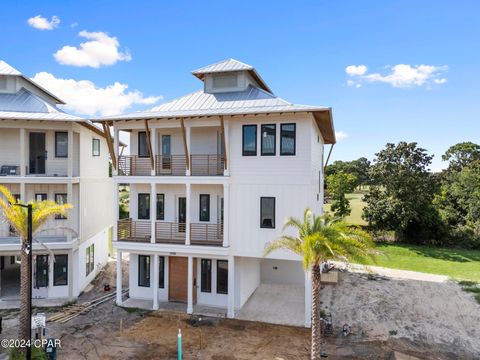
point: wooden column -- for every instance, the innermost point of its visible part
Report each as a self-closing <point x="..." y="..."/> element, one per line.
<point x="186" y="144"/>
<point x="108" y="137"/>
<point x="149" y="143"/>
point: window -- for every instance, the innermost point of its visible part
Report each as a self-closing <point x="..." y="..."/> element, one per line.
<point x="95" y="147"/>
<point x="144" y="206"/>
<point x="224" y="81"/>
<point x="204" y="207"/>
<point x="40" y="197"/>
<point x="249" y="140"/>
<point x="160" y="206"/>
<point x="144" y="270"/>
<point x="268" y="139"/>
<point x="60" y="199"/>
<point x="222" y="277"/>
<point x="287" y="139"/>
<point x="267" y="212"/>
<point x="60" y="270"/>
<point x="142" y="144"/>
<point x="41" y="271"/>
<point x="89" y="259"/>
<point x="61" y="144"/>
<point x="166" y="152"/>
<point x="161" y="269"/>
<point x="206" y="279"/>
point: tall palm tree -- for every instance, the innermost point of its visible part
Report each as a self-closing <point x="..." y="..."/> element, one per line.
<point x="17" y="217"/>
<point x="318" y="239"/>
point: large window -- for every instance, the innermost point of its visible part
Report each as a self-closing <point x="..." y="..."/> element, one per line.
<point x="268" y="139"/>
<point x="161" y="269"/>
<point x="96" y="147"/>
<point x="60" y="199"/>
<point x="144" y="206"/>
<point x="222" y="277"/>
<point x="204" y="207"/>
<point x="267" y="212"/>
<point x="60" y="270"/>
<point x="160" y="206"/>
<point x="249" y="140"/>
<point x="61" y="144"/>
<point x="206" y="279"/>
<point x="89" y="259"/>
<point x="41" y="271"/>
<point x="287" y="139"/>
<point x="142" y="144"/>
<point x="144" y="270"/>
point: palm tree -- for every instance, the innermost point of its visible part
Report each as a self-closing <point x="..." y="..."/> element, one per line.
<point x="17" y="217"/>
<point x="322" y="238"/>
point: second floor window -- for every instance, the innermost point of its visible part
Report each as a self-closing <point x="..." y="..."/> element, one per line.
<point x="249" y="140"/>
<point x="142" y="144"/>
<point x="268" y="139"/>
<point x="204" y="207"/>
<point x="95" y="147"/>
<point x="60" y="199"/>
<point x="287" y="139"/>
<point x="61" y="144"/>
<point x="143" y="206"/>
<point x="267" y="212"/>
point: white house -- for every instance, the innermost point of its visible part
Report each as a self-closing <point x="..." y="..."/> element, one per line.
<point x="48" y="154"/>
<point x="212" y="177"/>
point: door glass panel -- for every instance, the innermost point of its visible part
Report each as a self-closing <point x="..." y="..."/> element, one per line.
<point x="41" y="271"/>
<point x="182" y="213"/>
<point x="37" y="153"/>
<point x="166" y="152"/>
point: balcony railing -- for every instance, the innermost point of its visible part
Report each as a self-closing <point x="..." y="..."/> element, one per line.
<point x="134" y="230"/>
<point x="206" y="234"/>
<point x="134" y="165"/>
<point x="207" y="165"/>
<point x="170" y="232"/>
<point x="173" y="165"/>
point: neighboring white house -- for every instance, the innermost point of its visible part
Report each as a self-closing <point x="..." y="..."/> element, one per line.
<point x="48" y="154"/>
<point x="212" y="177"/>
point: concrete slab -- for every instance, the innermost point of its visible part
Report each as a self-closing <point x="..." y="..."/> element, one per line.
<point x="176" y="307"/>
<point x="276" y="304"/>
<point x="15" y="303"/>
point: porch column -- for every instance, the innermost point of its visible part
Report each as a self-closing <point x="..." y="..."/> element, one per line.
<point x="70" y="215"/>
<point x="153" y="211"/>
<point x="226" y="127"/>
<point x="23" y="152"/>
<point x="155" y="281"/>
<point x="190" y="285"/>
<point x="70" y="154"/>
<point x="231" y="287"/>
<point x="116" y="144"/>
<point x="116" y="210"/>
<point x="187" y="218"/>
<point x="308" y="299"/>
<point x="188" y="137"/>
<point x="226" y="213"/>
<point x="23" y="193"/>
<point x="153" y="142"/>
<point x="119" y="277"/>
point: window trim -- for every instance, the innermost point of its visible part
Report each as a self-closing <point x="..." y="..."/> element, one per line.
<point x="56" y="144"/>
<point x="200" y="207"/>
<point x="262" y="153"/>
<point x="43" y="195"/>
<point x="138" y="206"/>
<point x="149" y="280"/>
<point x="146" y="144"/>
<point x="95" y="140"/>
<point x="282" y="152"/>
<point x="243" y="139"/>
<point x="274" y="212"/>
<point x="162" y="196"/>
<point x="61" y="217"/>
<point x="218" y="267"/>
<point x="55" y="282"/>
<point x="161" y="270"/>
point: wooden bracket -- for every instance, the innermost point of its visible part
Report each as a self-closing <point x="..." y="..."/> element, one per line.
<point x="149" y="143"/>
<point x="108" y="137"/>
<point x="185" y="146"/>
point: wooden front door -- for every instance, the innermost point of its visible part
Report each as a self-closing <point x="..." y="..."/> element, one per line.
<point x="178" y="279"/>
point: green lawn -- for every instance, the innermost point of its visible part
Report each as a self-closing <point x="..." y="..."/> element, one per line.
<point x="456" y="263"/>
<point x="357" y="205"/>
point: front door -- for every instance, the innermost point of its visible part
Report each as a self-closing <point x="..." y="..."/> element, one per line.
<point x="37" y="153"/>
<point x="41" y="277"/>
<point x="178" y="279"/>
<point x="166" y="152"/>
<point x="182" y="213"/>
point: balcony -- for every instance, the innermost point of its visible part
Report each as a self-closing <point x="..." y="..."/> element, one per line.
<point x="206" y="234"/>
<point x="134" y="230"/>
<point x="170" y="232"/>
<point x="173" y="165"/>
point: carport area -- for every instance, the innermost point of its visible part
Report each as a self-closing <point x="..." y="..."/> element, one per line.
<point x="9" y="278"/>
<point x="280" y="297"/>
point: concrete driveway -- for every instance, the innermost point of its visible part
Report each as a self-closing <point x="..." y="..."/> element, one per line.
<point x="276" y="304"/>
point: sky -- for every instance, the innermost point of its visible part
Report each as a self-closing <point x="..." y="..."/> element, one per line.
<point x="391" y="70"/>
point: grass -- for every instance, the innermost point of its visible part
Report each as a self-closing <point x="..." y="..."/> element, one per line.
<point x="357" y="205"/>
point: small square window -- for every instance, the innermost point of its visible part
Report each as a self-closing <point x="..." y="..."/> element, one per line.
<point x="96" y="147"/>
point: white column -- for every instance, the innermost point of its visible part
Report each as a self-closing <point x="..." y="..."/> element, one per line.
<point x="153" y="142"/>
<point x="23" y="151"/>
<point x="23" y="193"/>
<point x="70" y="214"/>
<point x="153" y="210"/>
<point x="226" y="125"/>
<point x="231" y="287"/>
<point x="190" y="285"/>
<point x="308" y="299"/>
<point x="189" y="148"/>
<point x="155" y="282"/>
<point x="119" y="277"/>
<point x="70" y="154"/>
<point x="226" y="213"/>
<point x="116" y="145"/>
<point x="116" y="210"/>
<point x="187" y="220"/>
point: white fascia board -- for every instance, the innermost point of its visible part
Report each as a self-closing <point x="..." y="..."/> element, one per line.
<point x="39" y="180"/>
<point x="183" y="180"/>
<point x="172" y="250"/>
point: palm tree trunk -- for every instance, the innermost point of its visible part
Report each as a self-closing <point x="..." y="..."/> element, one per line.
<point x="316" y="323"/>
<point x="24" y="331"/>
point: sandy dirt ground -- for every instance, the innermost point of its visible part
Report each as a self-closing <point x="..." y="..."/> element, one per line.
<point x="422" y="319"/>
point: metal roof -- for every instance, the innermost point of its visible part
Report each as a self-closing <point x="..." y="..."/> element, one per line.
<point x="6" y="69"/>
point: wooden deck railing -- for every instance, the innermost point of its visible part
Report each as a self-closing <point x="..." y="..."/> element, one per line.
<point x="207" y="165"/>
<point x="134" y="165"/>
<point x="170" y="232"/>
<point x="173" y="165"/>
<point x="206" y="234"/>
<point x="134" y="230"/>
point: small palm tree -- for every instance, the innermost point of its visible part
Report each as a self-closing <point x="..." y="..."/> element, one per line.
<point x="17" y="217"/>
<point x="322" y="238"/>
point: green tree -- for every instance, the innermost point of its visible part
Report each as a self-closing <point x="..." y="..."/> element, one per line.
<point x="318" y="239"/>
<point x="340" y="184"/>
<point x="402" y="198"/>
<point x="358" y="168"/>
<point x="461" y="155"/>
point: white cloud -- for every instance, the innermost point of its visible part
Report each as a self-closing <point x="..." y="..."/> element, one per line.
<point x="341" y="135"/>
<point x="41" y="23"/>
<point x="402" y="76"/>
<point x="85" y="98"/>
<point x="100" y="49"/>
<point x="355" y="70"/>
<point x="74" y="25"/>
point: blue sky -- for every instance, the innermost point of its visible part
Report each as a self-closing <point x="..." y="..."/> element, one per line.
<point x="301" y="49"/>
